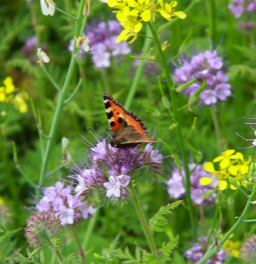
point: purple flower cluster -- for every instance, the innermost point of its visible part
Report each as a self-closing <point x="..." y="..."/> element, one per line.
<point x="64" y="204"/>
<point x="109" y="169"/>
<point x="239" y="7"/>
<point x="102" y="37"/>
<point x="199" y="194"/>
<point x="151" y="70"/>
<point x="204" y="66"/>
<point x="197" y="251"/>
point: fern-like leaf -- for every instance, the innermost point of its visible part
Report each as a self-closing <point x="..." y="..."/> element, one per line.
<point x="159" y="220"/>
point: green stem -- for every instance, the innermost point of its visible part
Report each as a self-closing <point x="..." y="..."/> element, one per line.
<point x="143" y="221"/>
<point x="217" y="128"/>
<point x="215" y="248"/>
<point x="66" y="13"/>
<point x="213" y="18"/>
<point x="51" y="79"/>
<point x="55" y="249"/>
<point x="89" y="230"/>
<point x="80" y="23"/>
<point x="139" y="71"/>
<point x="74" y="92"/>
<point x="78" y="244"/>
<point x="180" y="136"/>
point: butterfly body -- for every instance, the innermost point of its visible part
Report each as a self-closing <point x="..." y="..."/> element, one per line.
<point x="128" y="129"/>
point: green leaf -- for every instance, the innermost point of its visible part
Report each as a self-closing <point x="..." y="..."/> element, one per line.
<point x="8" y="234"/>
<point x="158" y="221"/>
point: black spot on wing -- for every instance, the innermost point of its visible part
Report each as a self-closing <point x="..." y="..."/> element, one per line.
<point x="120" y="120"/>
<point x="110" y="114"/>
<point x="107" y="105"/>
<point x="112" y="123"/>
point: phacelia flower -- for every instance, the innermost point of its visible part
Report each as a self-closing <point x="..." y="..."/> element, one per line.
<point x="151" y="70"/>
<point x="66" y="206"/>
<point x="132" y="14"/>
<point x="230" y="164"/>
<point x="239" y="7"/>
<point x="205" y="66"/>
<point x="41" y="227"/>
<point x="103" y="44"/>
<point x="110" y="170"/>
<point x="248" y="251"/>
<point x="199" y="194"/>
<point x="197" y="251"/>
<point x="47" y="7"/>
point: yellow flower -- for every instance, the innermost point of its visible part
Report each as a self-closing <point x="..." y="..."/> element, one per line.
<point x="20" y="102"/>
<point x="231" y="164"/>
<point x="9" y="93"/>
<point x="232" y="248"/>
<point x="132" y="13"/>
<point x="1" y="200"/>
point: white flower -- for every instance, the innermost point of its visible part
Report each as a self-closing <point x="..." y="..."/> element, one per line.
<point x="43" y="57"/>
<point x="48" y="7"/>
<point x="83" y="43"/>
<point x="66" y="215"/>
<point x="64" y="142"/>
<point x="115" y="183"/>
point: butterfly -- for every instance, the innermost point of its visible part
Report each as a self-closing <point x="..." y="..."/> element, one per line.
<point x="128" y="130"/>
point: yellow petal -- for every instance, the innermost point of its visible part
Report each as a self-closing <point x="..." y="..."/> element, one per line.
<point x="173" y="3"/>
<point x="2" y="97"/>
<point x="237" y="155"/>
<point x="131" y="3"/>
<point x="208" y="166"/>
<point x="180" y="14"/>
<point x="244" y="169"/>
<point x="225" y="163"/>
<point x="168" y="8"/>
<point x="165" y="15"/>
<point x="233" y="169"/>
<point x="223" y="185"/>
<point x="232" y="187"/>
<point x="205" y="181"/>
<point x="228" y="152"/>
<point x="137" y="28"/>
<point x="146" y="15"/>
<point x="219" y="158"/>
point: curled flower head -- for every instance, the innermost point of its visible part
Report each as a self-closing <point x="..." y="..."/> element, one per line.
<point x="68" y="207"/>
<point x="41" y="227"/>
<point x="199" y="194"/>
<point x="132" y="14"/>
<point x="230" y="164"/>
<point x="204" y="67"/>
<point x="109" y="169"/>
<point x="198" y="250"/>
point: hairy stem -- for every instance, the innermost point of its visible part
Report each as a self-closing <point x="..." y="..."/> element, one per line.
<point x="143" y="221"/>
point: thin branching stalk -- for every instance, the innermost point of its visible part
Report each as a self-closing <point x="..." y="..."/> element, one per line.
<point x="80" y="24"/>
<point x="176" y="119"/>
<point x="214" y="249"/>
<point x="55" y="249"/>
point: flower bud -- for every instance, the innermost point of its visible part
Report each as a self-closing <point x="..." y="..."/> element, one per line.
<point x="41" y="227"/>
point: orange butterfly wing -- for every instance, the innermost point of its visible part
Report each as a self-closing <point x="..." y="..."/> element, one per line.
<point x="128" y="130"/>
